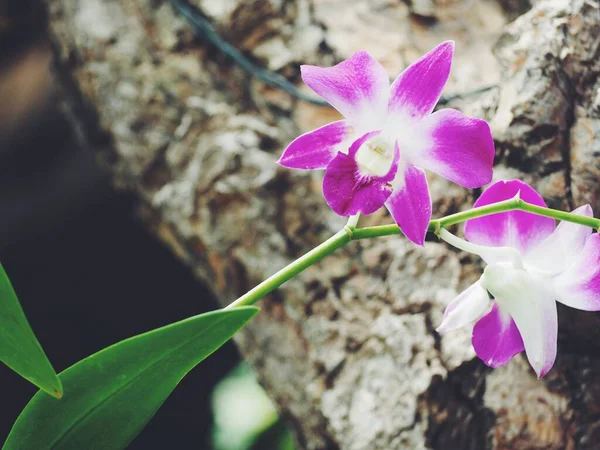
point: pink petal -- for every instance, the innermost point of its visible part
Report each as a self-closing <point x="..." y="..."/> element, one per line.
<point x="464" y="309"/>
<point x="419" y="87"/>
<point x="496" y="338"/>
<point x="410" y="204"/>
<point x="357" y="87"/>
<point x="529" y="299"/>
<point x="516" y="229"/>
<point x="317" y="148"/>
<point x="462" y="148"/>
<point x="349" y="191"/>
<point x="579" y="285"/>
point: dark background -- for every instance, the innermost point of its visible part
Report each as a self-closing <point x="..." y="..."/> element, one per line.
<point x="86" y="272"/>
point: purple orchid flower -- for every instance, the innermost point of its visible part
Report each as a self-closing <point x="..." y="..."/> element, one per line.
<point x="531" y="265"/>
<point x="376" y="156"/>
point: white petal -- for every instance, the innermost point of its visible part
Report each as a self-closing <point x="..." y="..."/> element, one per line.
<point x="465" y="308"/>
<point x="529" y="300"/>
<point x="564" y="246"/>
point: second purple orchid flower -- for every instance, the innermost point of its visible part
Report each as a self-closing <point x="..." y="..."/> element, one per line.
<point x="376" y="155"/>
<point x="531" y="265"/>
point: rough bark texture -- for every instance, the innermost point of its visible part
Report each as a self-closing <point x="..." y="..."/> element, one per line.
<point x="348" y="349"/>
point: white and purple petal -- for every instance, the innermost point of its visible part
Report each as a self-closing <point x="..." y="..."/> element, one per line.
<point x="466" y="308"/>
<point x="317" y="148"/>
<point x="516" y="229"/>
<point x="496" y="338"/>
<point x="529" y="299"/>
<point x="410" y="203"/>
<point x="357" y="88"/>
<point x="461" y="148"/>
<point x="563" y="247"/>
<point x="349" y="189"/>
<point x="419" y="87"/>
<point x="578" y="286"/>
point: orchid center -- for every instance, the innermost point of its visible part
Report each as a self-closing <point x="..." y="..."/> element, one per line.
<point x="376" y="156"/>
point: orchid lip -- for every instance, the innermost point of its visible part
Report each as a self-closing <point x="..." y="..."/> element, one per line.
<point x="375" y="156"/>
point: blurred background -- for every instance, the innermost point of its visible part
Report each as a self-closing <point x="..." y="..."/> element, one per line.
<point x="85" y="270"/>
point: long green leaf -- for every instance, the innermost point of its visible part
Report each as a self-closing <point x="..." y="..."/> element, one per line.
<point x="19" y="348"/>
<point x="111" y="395"/>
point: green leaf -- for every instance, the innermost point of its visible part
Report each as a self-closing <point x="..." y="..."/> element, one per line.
<point x="19" y="348"/>
<point x="111" y="395"/>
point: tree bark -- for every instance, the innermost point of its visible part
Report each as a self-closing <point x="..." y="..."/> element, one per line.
<point x="347" y="350"/>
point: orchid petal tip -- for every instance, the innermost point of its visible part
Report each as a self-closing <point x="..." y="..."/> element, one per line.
<point x="542" y="373"/>
<point x="282" y="162"/>
<point x="441" y="329"/>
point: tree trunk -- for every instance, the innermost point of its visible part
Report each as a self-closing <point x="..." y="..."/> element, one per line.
<point x="348" y="349"/>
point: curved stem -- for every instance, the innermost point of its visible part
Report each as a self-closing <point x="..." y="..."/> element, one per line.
<point x="514" y="204"/>
<point x="336" y="241"/>
<point x="353" y="220"/>
<point x="591" y="222"/>
<point x="350" y="233"/>
<point x="484" y="251"/>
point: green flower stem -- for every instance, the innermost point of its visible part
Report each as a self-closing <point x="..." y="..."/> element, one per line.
<point x="336" y="241"/>
<point x="514" y="204"/>
<point x="350" y="233"/>
<point x="591" y="222"/>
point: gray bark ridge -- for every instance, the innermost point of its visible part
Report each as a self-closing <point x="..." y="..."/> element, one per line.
<point x="348" y="349"/>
